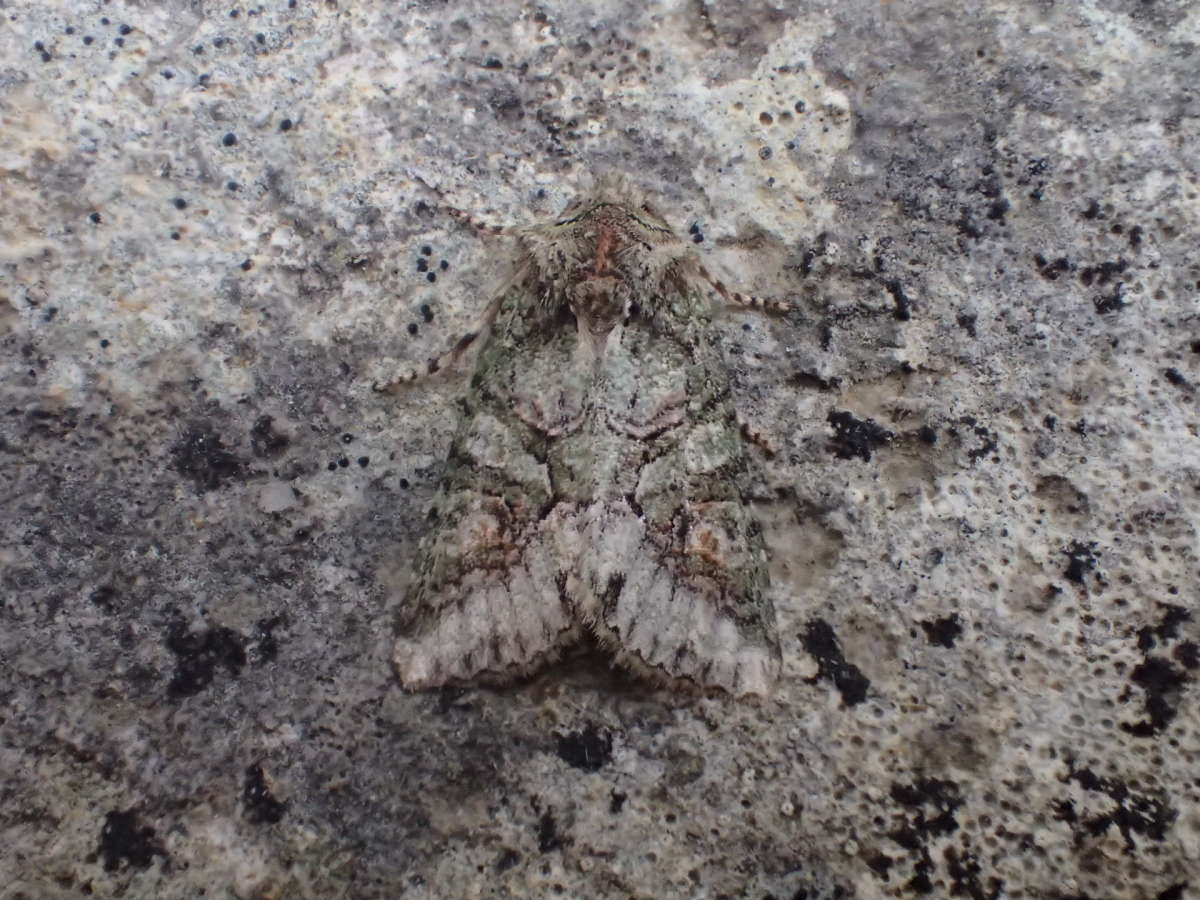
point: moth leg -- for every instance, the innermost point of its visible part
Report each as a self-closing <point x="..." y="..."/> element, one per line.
<point x="450" y="357"/>
<point x="748" y="301"/>
<point x="466" y="218"/>
<point x="754" y="436"/>
<point x="478" y="225"/>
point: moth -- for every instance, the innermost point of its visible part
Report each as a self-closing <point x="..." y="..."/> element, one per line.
<point x="597" y="485"/>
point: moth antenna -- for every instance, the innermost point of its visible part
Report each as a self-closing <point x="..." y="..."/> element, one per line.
<point x="748" y="301"/>
<point x="476" y="224"/>
<point x="450" y="357"/>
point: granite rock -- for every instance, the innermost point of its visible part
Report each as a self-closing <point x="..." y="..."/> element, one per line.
<point x="219" y="224"/>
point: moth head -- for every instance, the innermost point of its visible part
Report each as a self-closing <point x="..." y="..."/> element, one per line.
<point x="611" y="235"/>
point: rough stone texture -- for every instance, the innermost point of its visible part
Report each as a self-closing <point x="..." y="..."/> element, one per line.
<point x="982" y="515"/>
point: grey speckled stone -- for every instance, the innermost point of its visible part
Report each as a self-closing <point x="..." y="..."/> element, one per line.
<point x="982" y="516"/>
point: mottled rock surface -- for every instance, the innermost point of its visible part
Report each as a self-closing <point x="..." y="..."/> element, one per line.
<point x="219" y="224"/>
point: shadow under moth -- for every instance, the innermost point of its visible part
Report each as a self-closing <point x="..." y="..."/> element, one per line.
<point x="598" y="482"/>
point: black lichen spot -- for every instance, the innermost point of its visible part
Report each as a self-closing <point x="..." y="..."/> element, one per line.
<point x="363" y="461"/>
<point x="201" y="456"/>
<point x="944" y="631"/>
<point x="616" y="801"/>
<point x="444" y="265"/>
<point x="507" y="106"/>
<point x="413" y="328"/>
<point x="927" y="434"/>
<point x="422" y="264"/>
<point x="1187" y="654"/>
<point x="285" y="125"/>
<point x="266" y="643"/>
<point x="1162" y="683"/>
<point x="1093" y="211"/>
<point x="821" y="643"/>
<point x="967" y="227"/>
<point x="547" y="833"/>
<point x="125" y="29"/>
<point x="903" y="310"/>
<point x="197" y="655"/>
<point x="426" y="313"/>
<point x="1146" y="814"/>
<point x="507" y="860"/>
<point x="247" y="265"/>
<point x="261" y="806"/>
<point x="1051" y="269"/>
<point x="1135" y="236"/>
<point x="964" y="871"/>
<point x="1157" y="677"/>
<point x="179" y="203"/>
<point x="855" y="437"/>
<point x="94" y="218"/>
<point x="1103" y="273"/>
<point x="879" y="863"/>
<point x="588" y="749"/>
<point x="230" y="139"/>
<point x="1167" y="628"/>
<point x="966" y="321"/>
<point x="1175" y="377"/>
<point x="1113" y="301"/>
<point x="105" y="597"/>
<point x="431" y="277"/>
<point x="1081" y="560"/>
<point x="930" y="804"/>
<point x="122" y="839"/>
<point x="989" y="442"/>
<point x="492" y="63"/>
<point x="265" y="441"/>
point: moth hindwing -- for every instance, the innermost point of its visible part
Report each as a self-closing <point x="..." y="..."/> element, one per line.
<point x="598" y="482"/>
